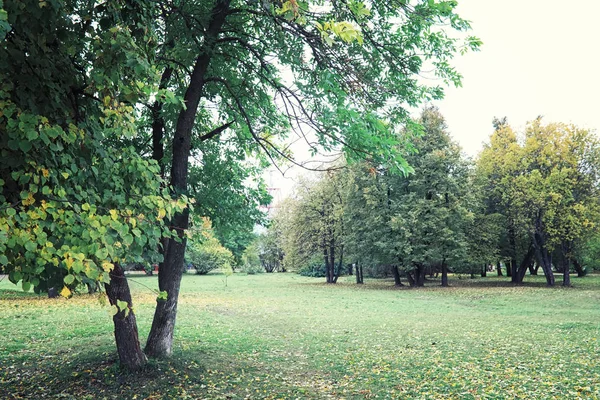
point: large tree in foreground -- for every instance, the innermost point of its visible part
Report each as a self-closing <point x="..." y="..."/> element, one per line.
<point x="248" y="73"/>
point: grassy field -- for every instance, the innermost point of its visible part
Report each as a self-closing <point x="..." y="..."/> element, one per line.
<point x="285" y="336"/>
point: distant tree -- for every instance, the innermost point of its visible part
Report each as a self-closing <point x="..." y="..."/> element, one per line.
<point x="270" y="252"/>
<point x="204" y="250"/>
<point x="429" y="207"/>
<point x="546" y="187"/>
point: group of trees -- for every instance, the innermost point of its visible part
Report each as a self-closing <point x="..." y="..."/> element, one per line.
<point x="116" y="115"/>
<point x="527" y="202"/>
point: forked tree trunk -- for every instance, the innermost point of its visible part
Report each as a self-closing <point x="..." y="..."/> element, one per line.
<point x="160" y="339"/>
<point x="544" y="258"/>
<point x="130" y="352"/>
<point x="519" y="273"/>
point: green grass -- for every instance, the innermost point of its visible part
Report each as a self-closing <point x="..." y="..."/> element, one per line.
<point x="285" y="336"/>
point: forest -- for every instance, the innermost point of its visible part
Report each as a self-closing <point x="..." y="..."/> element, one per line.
<point x="528" y="203"/>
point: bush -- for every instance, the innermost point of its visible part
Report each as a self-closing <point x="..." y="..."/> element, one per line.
<point x="314" y="269"/>
<point x="208" y="256"/>
<point x="251" y="261"/>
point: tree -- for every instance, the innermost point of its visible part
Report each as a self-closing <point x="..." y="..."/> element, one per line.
<point x="203" y="70"/>
<point x="546" y="187"/>
<point x="76" y="202"/>
<point x="205" y="252"/>
<point x="429" y="207"/>
<point x="317" y="223"/>
<point x="270" y="252"/>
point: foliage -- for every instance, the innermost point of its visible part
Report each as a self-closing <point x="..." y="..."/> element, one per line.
<point x="205" y="252"/>
<point x="251" y="260"/>
<point x="270" y="252"/>
<point x="545" y="185"/>
<point x="314" y="268"/>
<point x="74" y="198"/>
<point x="275" y="335"/>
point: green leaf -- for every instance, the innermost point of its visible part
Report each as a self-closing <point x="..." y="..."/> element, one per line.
<point x="25" y="146"/>
<point x="162" y="295"/>
<point x="3" y="259"/>
<point x="26" y="286"/>
<point x="69" y="279"/>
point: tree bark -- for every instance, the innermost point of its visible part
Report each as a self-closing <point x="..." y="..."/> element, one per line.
<point x="411" y="279"/>
<point x="396" y="273"/>
<point x="444" y="274"/>
<point x="519" y="273"/>
<point x="566" y="250"/>
<point x="509" y="267"/>
<point x="160" y="339"/>
<point x="499" y="268"/>
<point x="578" y="268"/>
<point x="532" y="269"/>
<point x="130" y="352"/>
<point x="484" y="271"/>
<point x="544" y="258"/>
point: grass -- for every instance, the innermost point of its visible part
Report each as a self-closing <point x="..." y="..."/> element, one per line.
<point x="285" y="336"/>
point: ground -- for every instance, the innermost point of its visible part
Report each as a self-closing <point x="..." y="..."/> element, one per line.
<point x="285" y="336"/>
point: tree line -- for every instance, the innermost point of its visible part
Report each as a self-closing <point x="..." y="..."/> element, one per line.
<point x="528" y="201"/>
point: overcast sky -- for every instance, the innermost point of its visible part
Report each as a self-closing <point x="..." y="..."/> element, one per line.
<point x="539" y="57"/>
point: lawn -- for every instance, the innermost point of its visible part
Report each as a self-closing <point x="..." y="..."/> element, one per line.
<point x="286" y="336"/>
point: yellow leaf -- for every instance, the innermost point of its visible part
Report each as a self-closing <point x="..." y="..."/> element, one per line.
<point x="65" y="292"/>
<point x="133" y="222"/>
<point x="161" y="214"/>
<point x="113" y="214"/>
<point x="107" y="267"/>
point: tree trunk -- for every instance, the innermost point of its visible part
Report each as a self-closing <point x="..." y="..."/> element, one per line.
<point x="580" y="271"/>
<point x="532" y="269"/>
<point x="544" y="258"/>
<point x="499" y="268"/>
<point x="412" y="280"/>
<point x="130" y="352"/>
<point x="519" y="273"/>
<point x="566" y="250"/>
<point x="509" y="267"/>
<point x="420" y="276"/>
<point x="444" y="274"/>
<point x="396" y="274"/>
<point x="160" y="339"/>
<point x="484" y="271"/>
<point x="358" y="269"/>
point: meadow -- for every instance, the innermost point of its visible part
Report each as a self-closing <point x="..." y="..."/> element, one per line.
<point x="282" y="336"/>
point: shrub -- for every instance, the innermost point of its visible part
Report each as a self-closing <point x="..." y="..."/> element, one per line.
<point x="208" y="255"/>
<point x="314" y="269"/>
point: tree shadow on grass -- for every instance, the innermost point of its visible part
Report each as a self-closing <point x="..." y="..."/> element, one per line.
<point x="98" y="375"/>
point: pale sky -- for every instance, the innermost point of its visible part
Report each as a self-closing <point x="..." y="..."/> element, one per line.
<point x="539" y="57"/>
